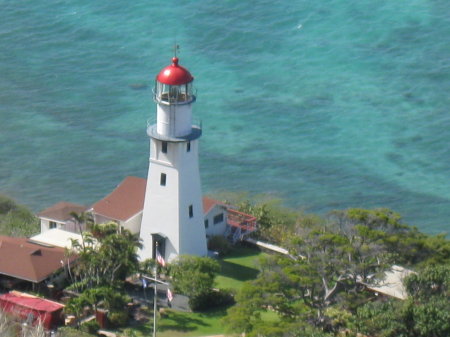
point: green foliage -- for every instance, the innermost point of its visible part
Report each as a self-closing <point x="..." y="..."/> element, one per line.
<point x="405" y="244"/>
<point x="212" y="299"/>
<point x="431" y="281"/>
<point x="220" y="244"/>
<point x="106" y="257"/>
<point x="15" y="219"/>
<point x="90" y="327"/>
<point x="71" y="332"/>
<point x="118" y="318"/>
<point x="425" y="314"/>
<point x="104" y="297"/>
<point x="83" y="219"/>
<point x="274" y="220"/>
<point x="194" y="276"/>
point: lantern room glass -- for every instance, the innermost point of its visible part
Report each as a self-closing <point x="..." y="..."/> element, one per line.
<point x="166" y="93"/>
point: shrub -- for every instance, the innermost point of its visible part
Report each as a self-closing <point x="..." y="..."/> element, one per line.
<point x="90" y="327"/>
<point x="220" y="244"/>
<point x="212" y="299"/>
<point x="118" y="318"/>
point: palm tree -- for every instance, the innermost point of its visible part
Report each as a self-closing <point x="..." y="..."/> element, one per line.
<point x="83" y="218"/>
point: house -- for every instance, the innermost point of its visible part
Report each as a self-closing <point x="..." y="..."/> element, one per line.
<point x="392" y="283"/>
<point x="32" y="310"/>
<point x="215" y="215"/>
<point x="57" y="238"/>
<point x="24" y="261"/>
<point x="222" y="219"/>
<point x="59" y="216"/>
<point x="123" y="205"/>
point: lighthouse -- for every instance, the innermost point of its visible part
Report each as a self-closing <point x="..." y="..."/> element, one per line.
<point x="172" y="220"/>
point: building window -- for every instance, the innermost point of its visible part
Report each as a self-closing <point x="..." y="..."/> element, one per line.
<point x="188" y="147"/>
<point x="191" y="211"/>
<point x="206" y="223"/>
<point x="53" y="224"/>
<point x="218" y="218"/>
<point x="164" y="147"/>
<point x="162" y="181"/>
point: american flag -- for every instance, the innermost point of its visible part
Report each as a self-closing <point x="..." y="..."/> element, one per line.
<point x="160" y="259"/>
<point x="169" y="295"/>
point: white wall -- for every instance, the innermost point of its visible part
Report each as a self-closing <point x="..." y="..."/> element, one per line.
<point x="166" y="208"/>
<point x="134" y="223"/>
<point x="219" y="228"/>
<point x="45" y="224"/>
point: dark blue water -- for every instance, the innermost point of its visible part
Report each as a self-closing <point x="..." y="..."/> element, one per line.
<point x="327" y="105"/>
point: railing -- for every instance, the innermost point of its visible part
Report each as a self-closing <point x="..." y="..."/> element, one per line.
<point x="196" y="122"/>
<point x="242" y="220"/>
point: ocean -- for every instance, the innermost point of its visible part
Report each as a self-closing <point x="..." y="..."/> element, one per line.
<point x="325" y="104"/>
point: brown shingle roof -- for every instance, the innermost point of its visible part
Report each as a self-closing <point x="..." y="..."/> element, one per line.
<point x="61" y="211"/>
<point x="29" y="261"/>
<point x="125" y="201"/>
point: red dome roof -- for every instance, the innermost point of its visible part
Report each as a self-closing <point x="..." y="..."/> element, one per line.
<point x="174" y="74"/>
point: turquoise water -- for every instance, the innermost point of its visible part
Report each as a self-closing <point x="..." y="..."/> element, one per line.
<point x="327" y="104"/>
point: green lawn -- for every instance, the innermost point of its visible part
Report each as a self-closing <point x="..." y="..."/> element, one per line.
<point x="239" y="266"/>
<point x="183" y="324"/>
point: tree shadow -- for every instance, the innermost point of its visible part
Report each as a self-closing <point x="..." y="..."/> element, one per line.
<point x="179" y="322"/>
<point x="237" y="271"/>
<point x="243" y="251"/>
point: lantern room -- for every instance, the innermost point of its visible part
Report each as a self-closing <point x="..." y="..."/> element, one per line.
<point x="174" y="85"/>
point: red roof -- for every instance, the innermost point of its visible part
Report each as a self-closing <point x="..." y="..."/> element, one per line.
<point x="32" y="309"/>
<point x="209" y="203"/>
<point x="29" y="261"/>
<point x="31" y="302"/>
<point x="174" y="74"/>
<point x="125" y="201"/>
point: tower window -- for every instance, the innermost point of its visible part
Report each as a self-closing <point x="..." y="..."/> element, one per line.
<point x="188" y="147"/>
<point x="191" y="211"/>
<point x="162" y="181"/>
<point x="164" y="147"/>
<point x="206" y="223"/>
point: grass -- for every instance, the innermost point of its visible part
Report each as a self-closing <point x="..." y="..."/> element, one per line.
<point x="173" y="323"/>
<point x="239" y="266"/>
<point x="192" y="324"/>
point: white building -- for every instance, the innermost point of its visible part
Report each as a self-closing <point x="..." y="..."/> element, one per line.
<point x="123" y="205"/>
<point x="59" y="216"/>
<point x="173" y="213"/>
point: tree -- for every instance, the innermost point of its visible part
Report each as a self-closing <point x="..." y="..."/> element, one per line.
<point x="194" y="277"/>
<point x="83" y="218"/>
<point x="15" y="219"/>
<point x="406" y="245"/>
<point x="324" y="262"/>
<point x="94" y="298"/>
<point x="426" y="313"/>
<point x="106" y="257"/>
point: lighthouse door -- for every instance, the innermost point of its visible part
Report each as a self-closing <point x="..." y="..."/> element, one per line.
<point x="159" y="240"/>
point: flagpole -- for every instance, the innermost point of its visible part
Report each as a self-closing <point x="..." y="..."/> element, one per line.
<point x="156" y="294"/>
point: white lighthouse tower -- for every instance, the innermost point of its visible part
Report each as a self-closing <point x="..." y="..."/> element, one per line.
<point x="173" y="213"/>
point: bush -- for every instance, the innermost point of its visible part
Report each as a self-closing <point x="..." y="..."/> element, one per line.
<point x="220" y="244"/>
<point x="90" y="327"/>
<point x="212" y="299"/>
<point x="118" y="318"/>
